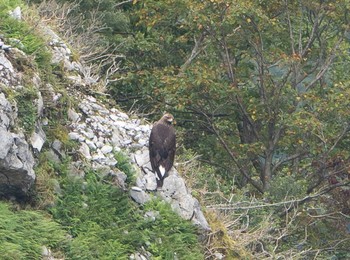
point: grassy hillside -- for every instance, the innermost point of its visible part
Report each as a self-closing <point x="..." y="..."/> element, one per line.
<point x="76" y="218"/>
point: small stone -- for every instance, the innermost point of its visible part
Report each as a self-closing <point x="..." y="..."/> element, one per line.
<point x="45" y="252"/>
<point x="91" y="144"/>
<point x="92" y="99"/>
<point x="73" y="116"/>
<point x="89" y="134"/>
<point x="99" y="144"/>
<point x="16" y="13"/>
<point x="85" y="150"/>
<point x="114" y="117"/>
<point x="111" y="162"/>
<point x="218" y="255"/>
<point x="151" y="182"/>
<point x="143" y="142"/>
<point x="56" y="146"/>
<point x="40" y="105"/>
<point x="37" y="140"/>
<point x="99" y="157"/>
<point x="74" y="136"/>
<point x="139" y="196"/>
<point x="152" y="215"/>
<point x="123" y="115"/>
<point x="106" y="149"/>
<point x="119" y="124"/>
<point x="126" y="142"/>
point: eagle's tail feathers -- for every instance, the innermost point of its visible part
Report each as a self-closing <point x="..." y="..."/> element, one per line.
<point x="162" y="171"/>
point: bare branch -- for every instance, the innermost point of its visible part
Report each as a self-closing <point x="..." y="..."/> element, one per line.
<point x="234" y="157"/>
<point x="277" y="204"/>
<point x="290" y="28"/>
<point x="325" y="66"/>
<point x="121" y="3"/>
<point x="287" y="159"/>
<point x="198" y="47"/>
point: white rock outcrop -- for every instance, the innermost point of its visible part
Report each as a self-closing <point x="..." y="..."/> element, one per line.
<point x="16" y="159"/>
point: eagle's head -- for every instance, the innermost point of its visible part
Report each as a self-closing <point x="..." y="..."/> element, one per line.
<point x="168" y="118"/>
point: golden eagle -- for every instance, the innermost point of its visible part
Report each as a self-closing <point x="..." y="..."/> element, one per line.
<point x="162" y="146"/>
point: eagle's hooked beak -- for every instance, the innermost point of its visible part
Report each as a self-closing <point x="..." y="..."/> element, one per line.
<point x="171" y="121"/>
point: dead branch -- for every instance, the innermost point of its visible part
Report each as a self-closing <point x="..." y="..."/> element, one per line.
<point x="197" y="49"/>
<point x="295" y="202"/>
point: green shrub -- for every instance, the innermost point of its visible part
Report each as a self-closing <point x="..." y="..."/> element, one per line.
<point x="24" y="233"/>
<point x="287" y="187"/>
<point x="125" y="166"/>
<point x="27" y="112"/>
<point x="99" y="217"/>
<point x="105" y="224"/>
<point x="169" y="235"/>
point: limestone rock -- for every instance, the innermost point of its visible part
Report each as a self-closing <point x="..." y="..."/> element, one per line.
<point x="176" y="193"/>
<point x="85" y="150"/>
<point x="8" y="75"/>
<point x="139" y="196"/>
<point x="6" y="142"/>
<point x="16" y="13"/>
<point x="7" y="115"/>
<point x="57" y="148"/>
<point x="73" y="116"/>
<point x="38" y="138"/>
<point x="16" y="165"/>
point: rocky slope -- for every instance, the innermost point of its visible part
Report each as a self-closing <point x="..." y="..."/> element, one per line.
<point x="99" y="130"/>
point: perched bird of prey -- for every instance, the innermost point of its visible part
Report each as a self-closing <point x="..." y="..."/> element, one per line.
<point x="162" y="147"/>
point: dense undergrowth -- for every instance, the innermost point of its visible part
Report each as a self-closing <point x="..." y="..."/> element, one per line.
<point x="23" y="233"/>
<point x="77" y="217"/>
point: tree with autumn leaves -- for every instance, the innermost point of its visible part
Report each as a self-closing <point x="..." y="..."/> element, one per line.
<point x="261" y="89"/>
<point x="264" y="82"/>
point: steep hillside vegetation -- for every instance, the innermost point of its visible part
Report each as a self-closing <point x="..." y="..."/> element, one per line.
<point x="55" y="203"/>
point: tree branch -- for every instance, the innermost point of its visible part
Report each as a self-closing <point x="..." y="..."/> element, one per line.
<point x="198" y="47"/>
<point x="233" y="157"/>
<point x="295" y="202"/>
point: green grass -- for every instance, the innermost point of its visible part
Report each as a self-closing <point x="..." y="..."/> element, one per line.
<point x="23" y="233"/>
<point x="27" y="111"/>
<point x="125" y="166"/>
<point x="30" y="41"/>
<point x="106" y="224"/>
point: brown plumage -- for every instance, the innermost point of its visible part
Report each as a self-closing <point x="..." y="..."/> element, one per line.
<point x="162" y="146"/>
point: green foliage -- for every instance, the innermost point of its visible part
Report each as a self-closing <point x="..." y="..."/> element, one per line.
<point x="46" y="184"/>
<point x="8" y="5"/>
<point x="105" y="224"/>
<point x="286" y="188"/>
<point x="27" y="40"/>
<point x="24" y="233"/>
<point x="97" y="216"/>
<point x="124" y="164"/>
<point x="27" y="111"/>
<point x="170" y="235"/>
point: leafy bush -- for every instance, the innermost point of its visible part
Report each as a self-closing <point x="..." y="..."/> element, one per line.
<point x="287" y="187"/>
